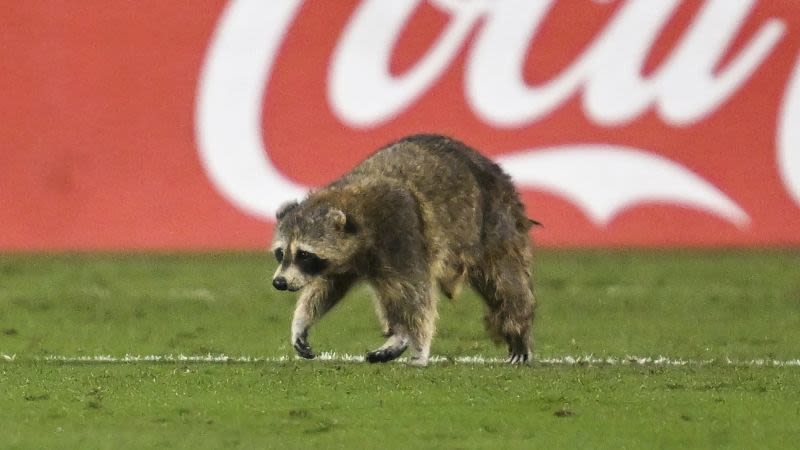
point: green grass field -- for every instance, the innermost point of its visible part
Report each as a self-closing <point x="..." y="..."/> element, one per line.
<point x="717" y="311"/>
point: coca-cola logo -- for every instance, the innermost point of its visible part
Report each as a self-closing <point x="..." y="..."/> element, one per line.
<point x="698" y="76"/>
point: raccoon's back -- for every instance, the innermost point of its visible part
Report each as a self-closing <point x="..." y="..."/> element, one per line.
<point x="427" y="160"/>
<point x="463" y="191"/>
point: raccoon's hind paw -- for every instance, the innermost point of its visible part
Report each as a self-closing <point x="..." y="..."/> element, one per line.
<point x="519" y="350"/>
<point x="518" y="358"/>
<point x="303" y="349"/>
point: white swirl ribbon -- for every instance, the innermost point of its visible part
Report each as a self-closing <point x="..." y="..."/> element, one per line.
<point x="602" y="180"/>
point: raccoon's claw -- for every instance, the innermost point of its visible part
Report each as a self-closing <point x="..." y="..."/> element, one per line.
<point x="383" y="355"/>
<point x="303" y="349"/>
<point x="519" y="352"/>
<point x="518" y="358"/>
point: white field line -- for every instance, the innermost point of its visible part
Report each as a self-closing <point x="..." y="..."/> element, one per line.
<point x="476" y="360"/>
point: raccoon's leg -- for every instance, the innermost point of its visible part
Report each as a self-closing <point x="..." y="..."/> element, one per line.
<point x="505" y="287"/>
<point x="386" y="328"/>
<point x="395" y="332"/>
<point x="315" y="300"/>
<point x="410" y="311"/>
<point x="422" y="327"/>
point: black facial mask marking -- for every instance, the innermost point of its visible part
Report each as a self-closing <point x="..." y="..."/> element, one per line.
<point x="309" y="263"/>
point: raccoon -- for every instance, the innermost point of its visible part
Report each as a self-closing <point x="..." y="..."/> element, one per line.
<point x="424" y="212"/>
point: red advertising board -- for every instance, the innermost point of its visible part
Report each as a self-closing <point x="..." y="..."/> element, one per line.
<point x="184" y="125"/>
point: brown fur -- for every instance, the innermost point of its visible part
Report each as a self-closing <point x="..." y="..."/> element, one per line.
<point x="424" y="211"/>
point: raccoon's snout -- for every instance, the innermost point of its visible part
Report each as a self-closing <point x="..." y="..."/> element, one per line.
<point x="280" y="283"/>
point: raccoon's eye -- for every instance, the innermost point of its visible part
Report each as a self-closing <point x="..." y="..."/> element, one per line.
<point x="302" y="255"/>
<point x="279" y="254"/>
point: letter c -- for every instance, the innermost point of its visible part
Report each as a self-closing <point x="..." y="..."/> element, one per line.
<point x="789" y="136"/>
<point x="228" y="111"/>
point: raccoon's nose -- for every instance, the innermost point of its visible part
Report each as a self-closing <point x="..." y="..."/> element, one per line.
<point x="280" y="283"/>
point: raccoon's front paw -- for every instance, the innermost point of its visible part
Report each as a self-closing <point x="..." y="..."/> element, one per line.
<point x="383" y="355"/>
<point x="303" y="349"/>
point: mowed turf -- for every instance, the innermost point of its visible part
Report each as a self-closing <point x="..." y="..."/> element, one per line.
<point x="698" y="306"/>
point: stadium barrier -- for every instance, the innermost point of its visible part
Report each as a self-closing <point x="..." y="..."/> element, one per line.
<point x="183" y="125"/>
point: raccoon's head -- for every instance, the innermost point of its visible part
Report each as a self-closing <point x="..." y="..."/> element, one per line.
<point x="311" y="240"/>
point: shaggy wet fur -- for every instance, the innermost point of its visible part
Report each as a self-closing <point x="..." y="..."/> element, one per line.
<point x="423" y="212"/>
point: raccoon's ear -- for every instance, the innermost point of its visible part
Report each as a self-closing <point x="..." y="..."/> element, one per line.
<point x="285" y="208"/>
<point x="341" y="221"/>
